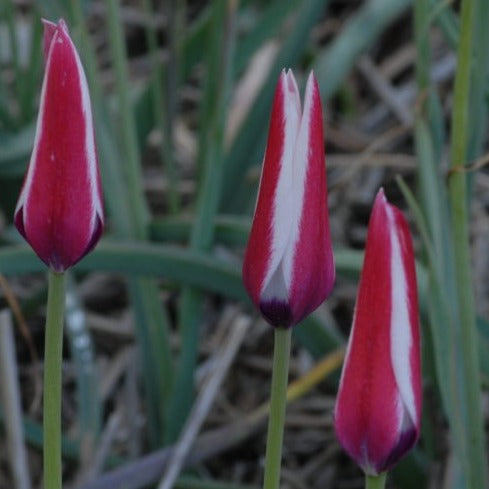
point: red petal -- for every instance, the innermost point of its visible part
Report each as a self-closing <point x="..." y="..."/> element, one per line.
<point x="268" y="236"/>
<point x="312" y="255"/>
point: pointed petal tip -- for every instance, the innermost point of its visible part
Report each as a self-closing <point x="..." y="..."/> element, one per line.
<point x="381" y="196"/>
<point x="63" y="25"/>
<point x="48" y="24"/>
<point x="290" y="83"/>
<point x="311" y="78"/>
<point x="49" y="32"/>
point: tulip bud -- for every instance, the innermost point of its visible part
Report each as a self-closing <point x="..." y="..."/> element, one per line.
<point x="288" y="267"/>
<point x="378" y="407"/>
<point x="60" y="210"/>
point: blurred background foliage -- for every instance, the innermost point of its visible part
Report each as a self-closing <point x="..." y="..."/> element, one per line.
<point x="181" y="92"/>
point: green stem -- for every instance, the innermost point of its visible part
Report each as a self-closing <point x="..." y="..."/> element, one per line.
<point x="475" y="460"/>
<point x="375" y="481"/>
<point x="278" y="402"/>
<point x="52" y="380"/>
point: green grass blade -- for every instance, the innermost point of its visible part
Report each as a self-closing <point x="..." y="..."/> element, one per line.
<point x="229" y="230"/>
<point x="248" y="147"/>
<point x="266" y="27"/>
<point x="444" y="16"/>
<point x="220" y="50"/>
<point x="474" y="466"/>
<point x="477" y="131"/>
<point x="15" y="150"/>
<point x="126" y="224"/>
<point x="356" y="37"/>
<point x="14" y="48"/>
<point x="151" y="321"/>
<point x="33" y="70"/>
<point x="81" y="348"/>
<point x="164" y="107"/>
<point x="132" y="159"/>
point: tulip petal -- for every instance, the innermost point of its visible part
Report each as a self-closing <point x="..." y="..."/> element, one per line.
<point x="378" y="408"/>
<point x="60" y="210"/>
<point x="269" y="235"/>
<point x="309" y="258"/>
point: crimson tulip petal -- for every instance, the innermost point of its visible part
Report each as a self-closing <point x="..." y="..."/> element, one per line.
<point x="288" y="268"/>
<point x="378" y="407"/>
<point x="60" y="209"/>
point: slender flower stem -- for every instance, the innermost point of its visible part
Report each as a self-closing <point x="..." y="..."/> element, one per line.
<point x="475" y="465"/>
<point x="52" y="380"/>
<point x="375" y="481"/>
<point x="278" y="402"/>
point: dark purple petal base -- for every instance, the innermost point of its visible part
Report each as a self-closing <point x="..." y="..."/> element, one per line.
<point x="405" y="443"/>
<point x="277" y="313"/>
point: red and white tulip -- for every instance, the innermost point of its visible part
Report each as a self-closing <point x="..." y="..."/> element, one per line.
<point x="60" y="209"/>
<point x="378" y="407"/>
<point x="288" y="268"/>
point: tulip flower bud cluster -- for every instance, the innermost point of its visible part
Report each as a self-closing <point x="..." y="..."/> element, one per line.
<point x="288" y="267"/>
<point x="289" y="271"/>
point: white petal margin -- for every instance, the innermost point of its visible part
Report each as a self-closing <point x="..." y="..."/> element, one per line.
<point x="91" y="154"/>
<point x="401" y="338"/>
<point x="285" y="200"/>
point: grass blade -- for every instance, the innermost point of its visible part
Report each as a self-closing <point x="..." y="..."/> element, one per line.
<point x="217" y="85"/>
<point x="475" y="463"/>
<point x="248" y="147"/>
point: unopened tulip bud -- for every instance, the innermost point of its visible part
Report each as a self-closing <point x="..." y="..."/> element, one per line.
<point x="288" y="268"/>
<point x="378" y="408"/>
<point x="60" y="210"/>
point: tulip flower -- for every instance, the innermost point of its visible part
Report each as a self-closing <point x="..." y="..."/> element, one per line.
<point x="59" y="211"/>
<point x="378" y="407"/>
<point x="288" y="267"/>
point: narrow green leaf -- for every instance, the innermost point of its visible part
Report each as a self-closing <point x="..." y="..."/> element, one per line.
<point x="15" y="151"/>
<point x="361" y="30"/>
<point x="83" y="355"/>
<point x="248" y="147"/>
<point x="266" y="27"/>
<point x="220" y="49"/>
<point x="474" y="464"/>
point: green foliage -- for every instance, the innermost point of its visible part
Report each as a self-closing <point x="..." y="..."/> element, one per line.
<point x="176" y="250"/>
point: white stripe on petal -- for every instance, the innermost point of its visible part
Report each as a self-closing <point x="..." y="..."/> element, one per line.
<point x="299" y="171"/>
<point x="401" y="339"/>
<point x="285" y="202"/>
